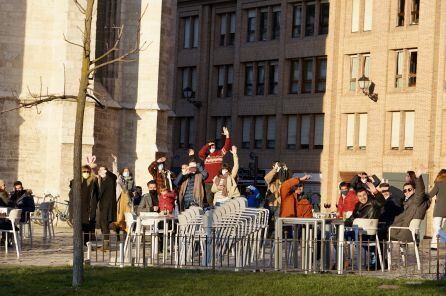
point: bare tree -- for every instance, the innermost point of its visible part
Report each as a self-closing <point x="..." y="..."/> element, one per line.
<point x="89" y="68"/>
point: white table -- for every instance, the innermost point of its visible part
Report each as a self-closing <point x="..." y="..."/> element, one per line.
<point x="5" y="210"/>
<point x="309" y="262"/>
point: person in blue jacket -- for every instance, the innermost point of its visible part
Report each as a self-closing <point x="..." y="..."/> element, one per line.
<point x="253" y="196"/>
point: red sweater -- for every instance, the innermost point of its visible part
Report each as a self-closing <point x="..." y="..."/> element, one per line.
<point x="347" y="204"/>
<point x="212" y="162"/>
<point x="167" y="201"/>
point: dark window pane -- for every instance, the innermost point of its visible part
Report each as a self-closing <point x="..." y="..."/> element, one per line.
<point x="260" y="79"/>
<point x="324" y="18"/>
<point x="263" y="24"/>
<point x="310" y="14"/>
<point x="276" y="25"/>
<point x="401" y="5"/>
<point x="297" y="21"/>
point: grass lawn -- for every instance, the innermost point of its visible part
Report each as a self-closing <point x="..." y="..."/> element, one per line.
<point x="150" y="281"/>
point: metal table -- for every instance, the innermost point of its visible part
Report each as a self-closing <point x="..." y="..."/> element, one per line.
<point x="152" y="221"/>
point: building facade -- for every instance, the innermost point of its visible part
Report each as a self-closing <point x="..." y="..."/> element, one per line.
<point x="36" y="144"/>
<point x="284" y="76"/>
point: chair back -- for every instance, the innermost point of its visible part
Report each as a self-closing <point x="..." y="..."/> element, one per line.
<point x="370" y="226"/>
<point x="129" y="221"/>
<point x="14" y="216"/>
<point x="414" y="225"/>
<point x="149" y="215"/>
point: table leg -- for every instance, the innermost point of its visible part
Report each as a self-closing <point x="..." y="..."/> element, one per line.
<point x="278" y="245"/>
<point x="341" y="249"/>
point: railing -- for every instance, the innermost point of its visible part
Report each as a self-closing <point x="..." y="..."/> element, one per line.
<point x="258" y="254"/>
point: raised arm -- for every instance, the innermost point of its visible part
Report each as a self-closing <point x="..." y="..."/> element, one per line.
<point x="235" y="168"/>
<point x="286" y="186"/>
<point x="115" y="165"/>
<point x="202" y="171"/>
<point x="270" y="176"/>
<point x="202" y="152"/>
<point x="227" y="145"/>
<point x="434" y="191"/>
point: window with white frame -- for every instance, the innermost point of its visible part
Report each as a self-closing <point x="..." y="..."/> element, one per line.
<point x="295" y="76"/>
<point x="309" y="14"/>
<point x="356" y="133"/>
<point x="225" y="79"/>
<point x="350" y="133"/>
<point x="362" y="140"/>
<point x="305" y="130"/>
<point x="409" y="9"/>
<point x="227" y="29"/>
<point x="359" y="65"/>
<point x="359" y="6"/>
<point x="252" y="19"/>
<point x="406" y="68"/>
<point x="402" y="137"/>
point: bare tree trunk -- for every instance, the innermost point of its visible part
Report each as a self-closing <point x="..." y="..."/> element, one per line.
<point x="78" y="252"/>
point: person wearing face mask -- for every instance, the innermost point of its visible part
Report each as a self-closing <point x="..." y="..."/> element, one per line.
<point x="191" y="185"/>
<point x="360" y="181"/>
<point x="88" y="178"/>
<point x="224" y="185"/>
<point x="347" y="201"/>
<point x="213" y="160"/>
<point x="103" y="199"/>
<point x="149" y="201"/>
<point x="161" y="175"/>
<point x="414" y="207"/>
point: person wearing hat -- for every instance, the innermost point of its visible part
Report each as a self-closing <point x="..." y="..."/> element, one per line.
<point x="4" y="197"/>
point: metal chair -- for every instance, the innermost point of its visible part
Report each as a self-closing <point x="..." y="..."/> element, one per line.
<point x="14" y="217"/>
<point x="414" y="228"/>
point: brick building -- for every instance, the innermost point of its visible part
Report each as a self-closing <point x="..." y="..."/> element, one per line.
<point x="36" y="144"/>
<point x="284" y="76"/>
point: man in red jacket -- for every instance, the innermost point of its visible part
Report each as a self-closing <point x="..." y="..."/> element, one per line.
<point x="347" y="201"/>
<point x="213" y="160"/>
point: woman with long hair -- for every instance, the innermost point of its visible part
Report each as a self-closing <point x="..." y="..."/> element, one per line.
<point x="439" y="190"/>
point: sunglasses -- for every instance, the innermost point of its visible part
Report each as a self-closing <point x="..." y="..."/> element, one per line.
<point x="385" y="191"/>
<point x="85" y="172"/>
<point x="407" y="190"/>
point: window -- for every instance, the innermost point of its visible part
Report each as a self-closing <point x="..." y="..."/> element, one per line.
<point x="263" y="24"/>
<point x="359" y="65"/>
<point x="324" y="18"/>
<point x="186" y="132"/>
<point x="399" y="69"/>
<point x="221" y="81"/>
<point x="292" y="132"/>
<point x="295" y="76"/>
<point x="409" y="130"/>
<point x="273" y="78"/>
<point x="400" y="16"/>
<point x="258" y="132"/>
<point x="275" y="33"/>
<point x="307" y="75"/>
<point x="310" y="15"/>
<point x="191" y="32"/>
<point x="225" y="78"/>
<point x="223" y="24"/>
<point x="189" y="80"/>
<point x="251" y="36"/>
<point x="297" y="21"/>
<point x="220" y="122"/>
<point x="368" y="9"/>
<point x="355" y="15"/>
<point x="395" y="140"/>
<point x="350" y="131"/>
<point x="415" y="12"/>
<point x="305" y="125"/>
<point x="318" y="131"/>
<point x="271" y="132"/>
<point x="412" y="68"/>
<point x="321" y="74"/>
<point x="231" y="38"/>
<point x="362" y="131"/>
<point x="246" y="132"/>
<point x="260" y="79"/>
<point x="249" y="79"/>
<point x="406" y="76"/>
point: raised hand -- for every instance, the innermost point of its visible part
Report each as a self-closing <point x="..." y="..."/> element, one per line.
<point x="421" y="170"/>
<point x="191" y="152"/>
<point x="371" y="187"/>
<point x="225" y="131"/>
<point x="305" y="178"/>
<point x="234" y="149"/>
<point x="114" y="157"/>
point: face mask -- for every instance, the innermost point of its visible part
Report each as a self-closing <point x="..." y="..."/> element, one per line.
<point x="102" y="174"/>
<point x="224" y="172"/>
<point x="344" y="192"/>
<point x="212" y="150"/>
<point x="364" y="180"/>
<point x="126" y="174"/>
<point x="152" y="192"/>
<point x="85" y="175"/>
<point x="160" y="167"/>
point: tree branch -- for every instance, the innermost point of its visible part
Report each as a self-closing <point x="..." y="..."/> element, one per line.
<point x="80" y="7"/>
<point x="43" y="99"/>
<point x="115" y="46"/>
<point x="71" y="42"/>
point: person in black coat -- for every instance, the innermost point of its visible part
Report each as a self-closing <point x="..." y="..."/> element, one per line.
<point x="103" y="201"/>
<point x="359" y="181"/>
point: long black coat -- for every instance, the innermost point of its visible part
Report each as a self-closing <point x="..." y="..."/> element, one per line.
<point x="103" y="197"/>
<point x="439" y="190"/>
<point x="86" y="194"/>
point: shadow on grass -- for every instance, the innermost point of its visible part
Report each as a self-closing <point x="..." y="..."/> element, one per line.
<point x="152" y="281"/>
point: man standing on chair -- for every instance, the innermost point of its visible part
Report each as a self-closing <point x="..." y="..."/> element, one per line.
<point x="103" y="199"/>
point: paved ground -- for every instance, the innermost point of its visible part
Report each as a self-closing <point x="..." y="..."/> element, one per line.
<point x="58" y="252"/>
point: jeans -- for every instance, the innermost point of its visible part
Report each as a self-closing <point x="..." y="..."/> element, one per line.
<point x="438" y="223"/>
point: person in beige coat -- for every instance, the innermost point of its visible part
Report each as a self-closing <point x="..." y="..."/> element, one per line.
<point x="224" y="185"/>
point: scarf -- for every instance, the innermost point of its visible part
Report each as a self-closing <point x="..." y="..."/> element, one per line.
<point x="225" y="183"/>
